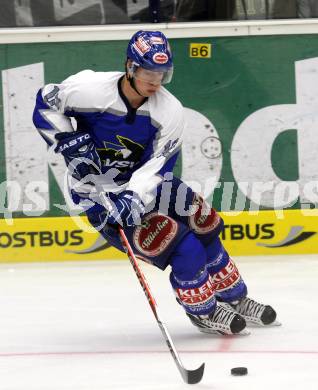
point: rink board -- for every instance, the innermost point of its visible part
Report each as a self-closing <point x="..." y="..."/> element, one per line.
<point x="258" y="88"/>
<point x="246" y="98"/>
<point x="245" y="233"/>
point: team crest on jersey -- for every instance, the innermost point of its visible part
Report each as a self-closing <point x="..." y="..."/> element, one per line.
<point x="205" y="219"/>
<point x="160" y="58"/>
<point x="141" y="46"/>
<point x="122" y="155"/>
<point x="155" y="234"/>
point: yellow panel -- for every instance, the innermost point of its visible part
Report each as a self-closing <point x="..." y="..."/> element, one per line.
<point x="200" y="50"/>
<point x="271" y="232"/>
<point x="245" y="233"/>
<point x="52" y="239"/>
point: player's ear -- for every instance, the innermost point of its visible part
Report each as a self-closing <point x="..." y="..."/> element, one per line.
<point x="129" y="68"/>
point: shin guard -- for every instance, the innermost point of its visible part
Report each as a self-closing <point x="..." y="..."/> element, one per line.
<point x="227" y="281"/>
<point x="190" y="278"/>
<point x="197" y="295"/>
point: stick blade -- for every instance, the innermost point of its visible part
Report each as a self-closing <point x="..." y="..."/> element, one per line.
<point x="193" y="376"/>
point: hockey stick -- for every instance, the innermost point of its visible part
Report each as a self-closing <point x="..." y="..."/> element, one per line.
<point x="189" y="376"/>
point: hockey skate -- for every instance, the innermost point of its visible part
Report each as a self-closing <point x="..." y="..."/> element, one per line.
<point x="222" y="321"/>
<point x="253" y="312"/>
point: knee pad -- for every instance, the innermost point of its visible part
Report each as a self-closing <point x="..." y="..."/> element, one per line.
<point x="205" y="222"/>
<point x="190" y="278"/>
<point x="227" y="281"/>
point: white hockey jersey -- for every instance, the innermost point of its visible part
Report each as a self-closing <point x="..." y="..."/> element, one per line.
<point x="141" y="144"/>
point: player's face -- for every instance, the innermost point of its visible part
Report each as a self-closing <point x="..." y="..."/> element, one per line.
<point x="148" y="82"/>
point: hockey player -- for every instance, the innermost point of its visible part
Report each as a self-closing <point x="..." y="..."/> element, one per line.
<point x="121" y="157"/>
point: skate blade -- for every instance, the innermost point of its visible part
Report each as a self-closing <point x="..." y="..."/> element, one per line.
<point x="244" y="332"/>
<point x="260" y="324"/>
<point x="275" y="323"/>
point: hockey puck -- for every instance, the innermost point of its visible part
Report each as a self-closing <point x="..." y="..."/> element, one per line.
<point x="239" y="371"/>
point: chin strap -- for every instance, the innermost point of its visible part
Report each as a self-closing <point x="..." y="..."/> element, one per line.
<point x="132" y="84"/>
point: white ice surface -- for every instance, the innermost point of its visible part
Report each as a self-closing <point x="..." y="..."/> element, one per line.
<point x="88" y="326"/>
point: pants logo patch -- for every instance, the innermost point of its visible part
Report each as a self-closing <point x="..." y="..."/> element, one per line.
<point x="155" y="234"/>
<point x="205" y="219"/>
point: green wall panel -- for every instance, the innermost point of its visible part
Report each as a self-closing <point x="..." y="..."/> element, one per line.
<point x="244" y="74"/>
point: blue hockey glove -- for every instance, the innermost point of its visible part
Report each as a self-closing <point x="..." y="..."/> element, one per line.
<point x="79" y="151"/>
<point x="125" y="209"/>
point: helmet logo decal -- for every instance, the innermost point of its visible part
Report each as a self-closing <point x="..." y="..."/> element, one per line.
<point x="160" y="58"/>
<point x="141" y="46"/>
<point x="157" y="41"/>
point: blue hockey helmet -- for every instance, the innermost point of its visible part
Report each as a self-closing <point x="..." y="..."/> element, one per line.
<point x="150" y="50"/>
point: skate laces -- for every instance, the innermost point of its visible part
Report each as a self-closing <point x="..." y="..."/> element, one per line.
<point x="250" y="308"/>
<point x="222" y="315"/>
